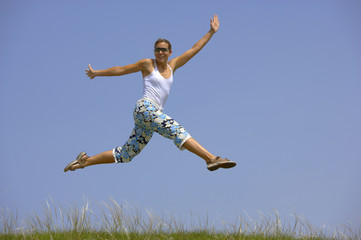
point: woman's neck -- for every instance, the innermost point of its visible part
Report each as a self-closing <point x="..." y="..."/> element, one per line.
<point x="161" y="65"/>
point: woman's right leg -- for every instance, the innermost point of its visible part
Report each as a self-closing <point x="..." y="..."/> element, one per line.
<point x="101" y="158"/>
<point x="138" y="139"/>
<point x="104" y="157"/>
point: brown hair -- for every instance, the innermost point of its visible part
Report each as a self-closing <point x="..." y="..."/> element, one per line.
<point x="165" y="41"/>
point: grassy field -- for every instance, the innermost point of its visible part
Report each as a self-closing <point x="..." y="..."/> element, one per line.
<point x="124" y="221"/>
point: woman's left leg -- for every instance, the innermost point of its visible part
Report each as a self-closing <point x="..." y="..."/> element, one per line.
<point x="169" y="128"/>
<point x="193" y="146"/>
<point x="213" y="162"/>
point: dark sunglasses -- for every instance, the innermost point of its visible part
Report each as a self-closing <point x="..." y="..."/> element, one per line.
<point x="161" y="50"/>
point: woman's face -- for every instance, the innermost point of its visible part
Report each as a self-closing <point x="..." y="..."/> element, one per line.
<point x="162" y="52"/>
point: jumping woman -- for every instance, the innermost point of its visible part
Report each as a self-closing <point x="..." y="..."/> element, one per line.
<point x="148" y="113"/>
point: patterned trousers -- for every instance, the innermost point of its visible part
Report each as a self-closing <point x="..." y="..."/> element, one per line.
<point x="148" y="118"/>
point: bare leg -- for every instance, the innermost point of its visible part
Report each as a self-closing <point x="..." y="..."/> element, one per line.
<point x="193" y="146"/>
<point x="102" y="158"/>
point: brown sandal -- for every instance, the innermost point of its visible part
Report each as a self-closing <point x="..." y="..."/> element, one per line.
<point x="79" y="160"/>
<point x="219" y="162"/>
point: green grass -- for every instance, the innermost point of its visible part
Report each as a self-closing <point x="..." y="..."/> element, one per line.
<point x="135" y="236"/>
<point x="124" y="221"/>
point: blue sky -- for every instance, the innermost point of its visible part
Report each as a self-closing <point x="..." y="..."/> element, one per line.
<point x="277" y="89"/>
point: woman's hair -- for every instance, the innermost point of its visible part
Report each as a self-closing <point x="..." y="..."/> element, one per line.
<point x="165" y="41"/>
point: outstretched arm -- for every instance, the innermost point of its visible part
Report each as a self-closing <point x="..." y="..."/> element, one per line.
<point x="185" y="57"/>
<point x="141" y="65"/>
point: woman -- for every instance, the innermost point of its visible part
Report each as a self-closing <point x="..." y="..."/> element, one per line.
<point x="148" y="116"/>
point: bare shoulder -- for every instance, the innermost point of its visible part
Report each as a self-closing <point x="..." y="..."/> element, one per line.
<point x="145" y="62"/>
<point x="173" y="63"/>
<point x="147" y="66"/>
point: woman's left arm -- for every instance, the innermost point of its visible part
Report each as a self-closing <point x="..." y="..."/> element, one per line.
<point x="185" y="57"/>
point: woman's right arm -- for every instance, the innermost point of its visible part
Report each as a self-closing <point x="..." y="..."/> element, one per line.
<point x="142" y="65"/>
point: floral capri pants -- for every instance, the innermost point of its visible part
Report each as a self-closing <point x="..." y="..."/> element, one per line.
<point x="148" y="118"/>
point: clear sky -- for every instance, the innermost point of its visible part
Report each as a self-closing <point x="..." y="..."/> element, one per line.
<point x="277" y="89"/>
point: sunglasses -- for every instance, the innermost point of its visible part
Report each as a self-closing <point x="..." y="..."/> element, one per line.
<point x="161" y="50"/>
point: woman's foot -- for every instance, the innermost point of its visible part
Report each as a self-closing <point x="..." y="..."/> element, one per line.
<point x="79" y="162"/>
<point x="219" y="162"/>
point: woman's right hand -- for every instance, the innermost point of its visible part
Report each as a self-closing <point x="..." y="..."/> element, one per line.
<point x="90" y="72"/>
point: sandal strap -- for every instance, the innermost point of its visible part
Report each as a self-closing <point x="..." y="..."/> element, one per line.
<point x="214" y="160"/>
<point x="81" y="160"/>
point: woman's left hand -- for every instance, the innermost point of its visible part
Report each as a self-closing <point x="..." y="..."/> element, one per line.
<point x="214" y="23"/>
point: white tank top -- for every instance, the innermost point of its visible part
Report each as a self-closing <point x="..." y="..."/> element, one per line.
<point x="157" y="87"/>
